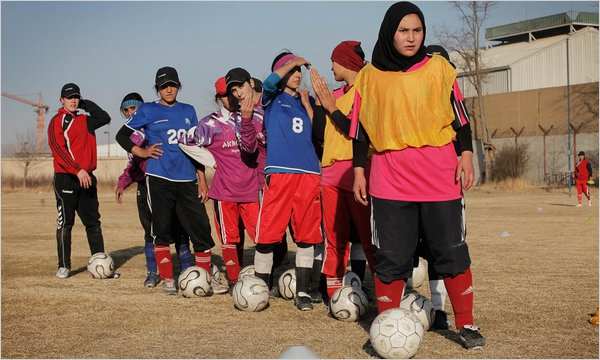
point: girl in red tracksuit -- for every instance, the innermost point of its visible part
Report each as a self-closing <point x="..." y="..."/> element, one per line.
<point x="583" y="173"/>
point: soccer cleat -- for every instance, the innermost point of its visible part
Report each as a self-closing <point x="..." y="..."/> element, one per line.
<point x="230" y="288"/>
<point x="579" y="205"/>
<point x="152" y="279"/>
<point x="471" y="338"/>
<point x="168" y="287"/>
<point x="303" y="303"/>
<point x="316" y="296"/>
<point x="218" y="288"/>
<point x="441" y="321"/>
<point x="274" y="292"/>
<point x="63" y="273"/>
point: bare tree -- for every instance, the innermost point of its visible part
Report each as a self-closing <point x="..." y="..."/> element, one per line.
<point x="26" y="149"/>
<point x="465" y="42"/>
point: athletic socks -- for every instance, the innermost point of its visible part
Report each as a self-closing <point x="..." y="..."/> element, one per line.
<point x="163" y="259"/>
<point x="150" y="257"/>
<point x="230" y="258"/>
<point x="388" y="294"/>
<point x="333" y="284"/>
<point x="358" y="267"/>
<point x="203" y="260"/>
<point x="185" y="256"/>
<point x="460" y="292"/>
<point x="438" y="293"/>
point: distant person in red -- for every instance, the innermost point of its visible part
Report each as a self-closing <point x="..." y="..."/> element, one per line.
<point x="72" y="139"/>
<point x="583" y="173"/>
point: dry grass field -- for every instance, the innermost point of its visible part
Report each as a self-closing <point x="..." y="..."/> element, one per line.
<point x="534" y="290"/>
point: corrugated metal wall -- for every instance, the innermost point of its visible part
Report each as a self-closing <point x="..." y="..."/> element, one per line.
<point x="545" y="68"/>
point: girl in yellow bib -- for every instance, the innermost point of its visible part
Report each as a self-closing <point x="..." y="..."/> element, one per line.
<point x="409" y="106"/>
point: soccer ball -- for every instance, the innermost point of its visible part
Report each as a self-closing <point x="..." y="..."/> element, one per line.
<point x="348" y="303"/>
<point x="215" y="273"/>
<point x="101" y="266"/>
<point x="421" y="306"/>
<point x="250" y="294"/>
<point x="247" y="271"/>
<point x="351" y="279"/>
<point x="287" y="284"/>
<point x="418" y="276"/>
<point x="396" y="334"/>
<point x="194" y="282"/>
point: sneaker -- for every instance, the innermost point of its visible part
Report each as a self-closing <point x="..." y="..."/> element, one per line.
<point x="63" y="273"/>
<point x="316" y="297"/>
<point x="274" y="292"/>
<point x="303" y="303"/>
<point x="218" y="288"/>
<point x="579" y="205"/>
<point x="441" y="321"/>
<point x="152" y="279"/>
<point x="230" y="288"/>
<point x="471" y="338"/>
<point x="589" y="202"/>
<point x="168" y="287"/>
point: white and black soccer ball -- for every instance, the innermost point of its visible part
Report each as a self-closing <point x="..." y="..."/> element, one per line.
<point x="101" y="266"/>
<point x="348" y="303"/>
<point x="246" y="271"/>
<point x="419" y="276"/>
<point x="287" y="284"/>
<point x="194" y="282"/>
<point x="396" y="334"/>
<point x="215" y="273"/>
<point x="250" y="294"/>
<point x="421" y="306"/>
<point x="352" y="279"/>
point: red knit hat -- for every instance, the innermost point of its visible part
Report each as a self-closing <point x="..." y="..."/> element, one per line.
<point x="346" y="55"/>
<point x="221" y="86"/>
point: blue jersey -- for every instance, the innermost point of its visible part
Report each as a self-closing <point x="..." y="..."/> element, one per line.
<point x="166" y="124"/>
<point x="289" y="132"/>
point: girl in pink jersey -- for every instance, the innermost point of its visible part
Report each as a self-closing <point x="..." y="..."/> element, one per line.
<point x="233" y="187"/>
<point x="404" y="103"/>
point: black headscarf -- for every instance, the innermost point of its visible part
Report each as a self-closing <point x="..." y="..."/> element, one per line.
<point x="385" y="56"/>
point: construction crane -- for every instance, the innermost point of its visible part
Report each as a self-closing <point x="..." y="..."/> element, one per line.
<point x="40" y="109"/>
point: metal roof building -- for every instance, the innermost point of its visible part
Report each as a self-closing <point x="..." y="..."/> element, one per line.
<point x="533" y="54"/>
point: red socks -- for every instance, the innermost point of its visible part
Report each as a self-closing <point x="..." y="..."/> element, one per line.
<point x="388" y="294"/>
<point x="203" y="260"/>
<point x="333" y="284"/>
<point x="163" y="261"/>
<point x="231" y="258"/>
<point x="460" y="292"/>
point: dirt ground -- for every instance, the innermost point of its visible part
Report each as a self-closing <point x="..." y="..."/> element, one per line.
<point x="534" y="290"/>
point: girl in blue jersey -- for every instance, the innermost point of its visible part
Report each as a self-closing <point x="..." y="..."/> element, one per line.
<point x="135" y="172"/>
<point x="292" y="175"/>
<point x="171" y="177"/>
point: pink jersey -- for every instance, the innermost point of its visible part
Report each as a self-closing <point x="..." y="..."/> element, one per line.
<point x="135" y="171"/>
<point x="235" y="177"/>
<point x="422" y="174"/>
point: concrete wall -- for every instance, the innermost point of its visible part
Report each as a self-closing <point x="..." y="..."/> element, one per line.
<point x="557" y="158"/>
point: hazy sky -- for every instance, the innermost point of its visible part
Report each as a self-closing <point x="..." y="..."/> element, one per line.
<point x="112" y="48"/>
